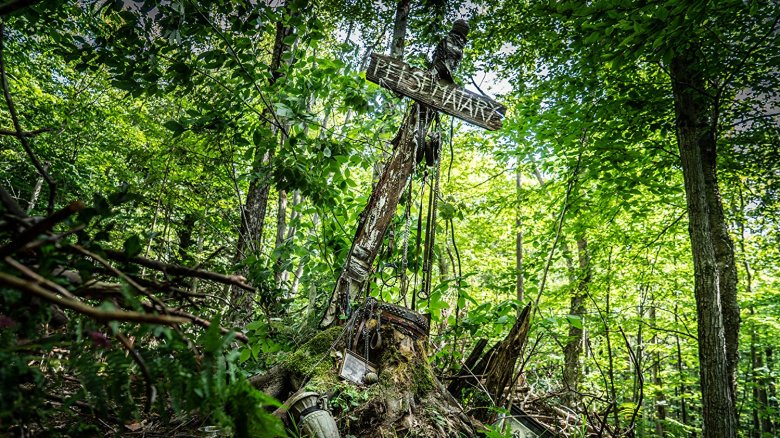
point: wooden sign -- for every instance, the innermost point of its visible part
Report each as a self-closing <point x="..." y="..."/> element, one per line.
<point x="425" y="87"/>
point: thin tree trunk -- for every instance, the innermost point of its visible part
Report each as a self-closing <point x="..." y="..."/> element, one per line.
<point x="281" y="231"/>
<point x="399" y="28"/>
<point x="254" y="211"/>
<point x="572" y="370"/>
<point x="519" y="287"/>
<point x="712" y="253"/>
<point x="683" y="388"/>
<point x="772" y="390"/>
<point x="761" y="422"/>
<point x="611" y="370"/>
<point x="660" y="397"/>
<point x="185" y="238"/>
<point x="396" y="48"/>
<point x="37" y="190"/>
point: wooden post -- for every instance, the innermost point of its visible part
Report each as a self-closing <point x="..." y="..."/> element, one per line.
<point x="432" y="90"/>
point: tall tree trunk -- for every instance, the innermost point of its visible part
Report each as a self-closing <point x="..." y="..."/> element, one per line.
<point x="611" y="356"/>
<point x="281" y="232"/>
<point x="37" y="190"/>
<point x="773" y="424"/>
<point x="399" y="28"/>
<point x="185" y="237"/>
<point x="572" y="370"/>
<point x="683" y="388"/>
<point x="660" y="397"/>
<point x="519" y="287"/>
<point x="400" y="24"/>
<point x="761" y="422"/>
<point x="713" y="255"/>
<point x="254" y="210"/>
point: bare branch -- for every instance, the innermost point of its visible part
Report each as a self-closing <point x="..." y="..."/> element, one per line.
<point x="185" y="271"/>
<point x="93" y="312"/>
<point x="41" y="227"/>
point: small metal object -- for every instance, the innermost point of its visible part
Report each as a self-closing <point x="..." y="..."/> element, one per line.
<point x="307" y="410"/>
<point x="370" y="378"/>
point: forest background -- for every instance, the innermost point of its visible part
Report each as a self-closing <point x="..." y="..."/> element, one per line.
<point x="243" y="139"/>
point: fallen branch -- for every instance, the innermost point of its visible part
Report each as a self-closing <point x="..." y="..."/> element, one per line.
<point x="41" y="227"/>
<point x="93" y="312"/>
<point x="168" y="268"/>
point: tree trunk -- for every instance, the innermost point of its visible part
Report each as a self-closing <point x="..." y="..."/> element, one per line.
<point x="281" y="232"/>
<point x="660" y="397"/>
<point x="715" y="278"/>
<point x="399" y="28"/>
<point x="519" y="287"/>
<point x="37" y="190"/>
<point x="572" y="371"/>
<point x="254" y="210"/>
<point x="185" y="238"/>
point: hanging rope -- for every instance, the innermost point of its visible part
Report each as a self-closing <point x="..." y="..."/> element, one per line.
<point x="434" y="148"/>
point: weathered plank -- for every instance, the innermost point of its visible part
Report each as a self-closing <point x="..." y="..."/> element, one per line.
<point x="425" y="87"/>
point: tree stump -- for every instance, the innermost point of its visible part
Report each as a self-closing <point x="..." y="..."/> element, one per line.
<point x="407" y="398"/>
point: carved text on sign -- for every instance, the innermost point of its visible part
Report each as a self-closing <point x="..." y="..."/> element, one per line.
<point x="426" y="88"/>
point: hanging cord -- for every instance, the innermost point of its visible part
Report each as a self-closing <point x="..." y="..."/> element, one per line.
<point x="404" y="257"/>
<point x="452" y="151"/>
<point x="430" y="227"/>
<point x="418" y="239"/>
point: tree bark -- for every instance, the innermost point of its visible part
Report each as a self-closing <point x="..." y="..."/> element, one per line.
<point x="519" y="287"/>
<point x="281" y="231"/>
<point x="660" y="397"/>
<point x="572" y="371"/>
<point x="399" y="28"/>
<point x="713" y="255"/>
<point x="254" y="210"/>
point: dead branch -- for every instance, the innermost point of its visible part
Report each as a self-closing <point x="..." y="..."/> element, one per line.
<point x="151" y="390"/>
<point x="171" y="269"/>
<point x="160" y="305"/>
<point x="39" y="278"/>
<point x="93" y="312"/>
<point x="41" y="227"/>
<point x="10" y="203"/>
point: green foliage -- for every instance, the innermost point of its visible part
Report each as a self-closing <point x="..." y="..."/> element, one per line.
<point x="162" y="116"/>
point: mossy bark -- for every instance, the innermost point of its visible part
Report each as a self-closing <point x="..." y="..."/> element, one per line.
<point x="407" y="400"/>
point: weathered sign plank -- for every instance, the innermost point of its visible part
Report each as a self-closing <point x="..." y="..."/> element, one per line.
<point x="428" y="89"/>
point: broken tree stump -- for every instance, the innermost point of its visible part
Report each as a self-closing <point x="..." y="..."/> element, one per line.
<point x="405" y="399"/>
<point x="489" y="379"/>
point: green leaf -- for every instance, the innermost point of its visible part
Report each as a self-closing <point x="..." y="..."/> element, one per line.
<point x="132" y="246"/>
